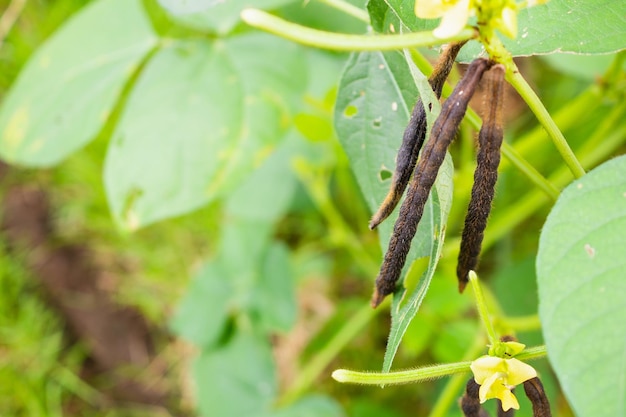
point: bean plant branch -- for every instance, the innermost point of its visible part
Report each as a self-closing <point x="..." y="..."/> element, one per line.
<point x="534" y="103"/>
<point x="344" y="42"/>
<point x="425" y="373"/>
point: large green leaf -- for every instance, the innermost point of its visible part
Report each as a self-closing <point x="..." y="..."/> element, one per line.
<point x="275" y="295"/>
<point x="203" y="313"/>
<point x="575" y="26"/>
<point x="249" y="273"/>
<point x="69" y="87"/>
<point x="217" y="16"/>
<point x="199" y="119"/>
<point x="376" y="94"/>
<point x="236" y="380"/>
<point x="580" y="272"/>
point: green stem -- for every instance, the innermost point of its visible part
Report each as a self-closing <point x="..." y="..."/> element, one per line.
<point x="531" y="353"/>
<point x="344" y="42"/>
<point x="349" y="9"/>
<point x="324" y="356"/>
<point x="534" y="103"/>
<point x="401" y="377"/>
<point x="482" y="309"/>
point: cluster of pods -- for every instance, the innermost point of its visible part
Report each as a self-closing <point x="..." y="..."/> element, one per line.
<point x="419" y="174"/>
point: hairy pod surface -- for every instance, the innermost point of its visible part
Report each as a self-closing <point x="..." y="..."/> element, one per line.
<point x="485" y="177"/>
<point x="470" y="402"/>
<point x="537" y="396"/>
<point x="413" y="137"/>
<point x="432" y="157"/>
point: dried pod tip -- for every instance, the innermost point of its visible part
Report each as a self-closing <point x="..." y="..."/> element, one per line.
<point x="377" y="298"/>
<point x="375" y="221"/>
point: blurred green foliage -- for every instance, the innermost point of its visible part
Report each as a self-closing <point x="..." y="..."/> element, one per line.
<point x="281" y="258"/>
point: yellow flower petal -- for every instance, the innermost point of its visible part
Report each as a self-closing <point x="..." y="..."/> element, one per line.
<point x="513" y="348"/>
<point x="454" y="20"/>
<point x="518" y="372"/>
<point x="509" y="22"/>
<point x="486" y="390"/>
<point x="430" y="9"/>
<point x="508" y="400"/>
<point x="485" y="366"/>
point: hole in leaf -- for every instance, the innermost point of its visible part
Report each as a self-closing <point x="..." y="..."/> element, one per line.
<point x="376" y="123"/>
<point x="351" y="111"/>
<point x="384" y="174"/>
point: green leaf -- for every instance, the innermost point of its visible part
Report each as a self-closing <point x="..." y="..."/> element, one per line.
<point x="267" y="193"/>
<point x="574" y="26"/>
<point x="275" y="297"/>
<point x="199" y="119"/>
<point x="586" y="67"/>
<point x="376" y="95"/>
<point x="577" y="26"/>
<point x="181" y="7"/>
<point x="397" y="16"/>
<point x="217" y="16"/>
<point x="68" y="89"/>
<point x="312" y="406"/>
<point x="236" y="380"/>
<point x="202" y="314"/>
<point x="580" y="272"/>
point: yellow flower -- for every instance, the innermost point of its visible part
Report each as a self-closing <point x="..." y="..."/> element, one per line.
<point x="454" y="14"/>
<point x="493" y="14"/>
<point x="497" y="376"/>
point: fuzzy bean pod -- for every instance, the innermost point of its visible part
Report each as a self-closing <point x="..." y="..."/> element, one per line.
<point x="433" y="154"/>
<point x="413" y="137"/>
<point x="485" y="177"/>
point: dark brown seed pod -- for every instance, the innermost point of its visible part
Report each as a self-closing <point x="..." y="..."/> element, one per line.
<point x="537" y="396"/>
<point x="470" y="402"/>
<point x="485" y="177"/>
<point x="413" y="137"/>
<point x="433" y="154"/>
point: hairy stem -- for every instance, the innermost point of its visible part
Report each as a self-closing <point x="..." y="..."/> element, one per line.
<point x="481" y="305"/>
<point x="535" y="352"/>
<point x="400" y="377"/>
<point x="344" y="42"/>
